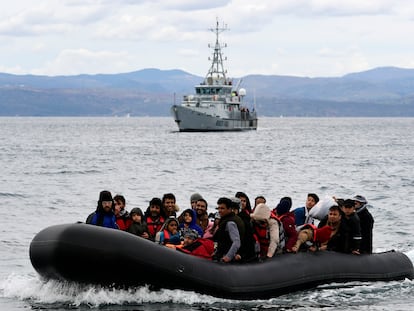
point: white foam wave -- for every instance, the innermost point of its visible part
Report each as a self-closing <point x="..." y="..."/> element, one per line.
<point x="32" y="288"/>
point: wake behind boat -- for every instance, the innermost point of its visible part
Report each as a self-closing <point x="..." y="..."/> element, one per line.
<point x="217" y="104"/>
<point x="91" y="254"/>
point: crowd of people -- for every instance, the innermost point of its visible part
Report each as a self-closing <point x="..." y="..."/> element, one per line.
<point x="238" y="231"/>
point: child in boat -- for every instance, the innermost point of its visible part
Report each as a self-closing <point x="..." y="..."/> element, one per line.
<point x="196" y="246"/>
<point x="312" y="237"/>
<point x="169" y="233"/>
<point x="188" y="220"/>
<point x="138" y="226"/>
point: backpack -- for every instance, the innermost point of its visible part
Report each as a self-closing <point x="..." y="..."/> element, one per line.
<point x="282" y="234"/>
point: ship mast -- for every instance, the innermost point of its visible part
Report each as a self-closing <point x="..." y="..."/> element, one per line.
<point x="216" y="73"/>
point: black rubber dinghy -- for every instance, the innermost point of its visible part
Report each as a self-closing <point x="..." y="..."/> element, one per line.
<point x="90" y="254"/>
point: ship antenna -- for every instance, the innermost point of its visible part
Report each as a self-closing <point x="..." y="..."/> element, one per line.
<point x="216" y="72"/>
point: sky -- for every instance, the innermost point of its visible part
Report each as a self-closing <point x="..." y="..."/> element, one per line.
<point x="306" y="38"/>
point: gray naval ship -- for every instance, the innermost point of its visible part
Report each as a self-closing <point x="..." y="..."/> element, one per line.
<point x="217" y="104"/>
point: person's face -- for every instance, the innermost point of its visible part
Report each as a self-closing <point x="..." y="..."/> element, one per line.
<point x="118" y="206"/>
<point x="173" y="227"/>
<point x="310" y="202"/>
<point x="154" y="210"/>
<point x="107" y="205"/>
<point x="136" y="218"/>
<point x="187" y="241"/>
<point x="201" y="208"/>
<point x="188" y="218"/>
<point x="243" y="201"/>
<point x="334" y="216"/>
<point x="348" y="210"/>
<point x="358" y="204"/>
<point x="223" y="210"/>
<point x="193" y="204"/>
<point x="169" y="204"/>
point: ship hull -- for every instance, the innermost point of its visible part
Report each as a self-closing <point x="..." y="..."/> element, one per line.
<point x="190" y="119"/>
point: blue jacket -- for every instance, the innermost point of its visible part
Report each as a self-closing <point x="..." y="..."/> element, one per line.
<point x="99" y="218"/>
<point x="193" y="224"/>
<point x="300" y="215"/>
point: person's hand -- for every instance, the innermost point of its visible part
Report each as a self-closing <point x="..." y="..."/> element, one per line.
<point x="225" y="259"/>
<point x="356" y="252"/>
<point x="145" y="235"/>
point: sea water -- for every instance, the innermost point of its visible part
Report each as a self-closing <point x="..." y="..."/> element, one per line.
<point x="52" y="170"/>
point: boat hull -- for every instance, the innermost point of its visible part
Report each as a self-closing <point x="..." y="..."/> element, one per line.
<point x="190" y="119"/>
<point x="90" y="254"/>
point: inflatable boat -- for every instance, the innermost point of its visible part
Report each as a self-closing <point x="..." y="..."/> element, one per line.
<point x="95" y="255"/>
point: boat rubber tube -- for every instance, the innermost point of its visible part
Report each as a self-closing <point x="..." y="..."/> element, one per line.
<point x="90" y="254"/>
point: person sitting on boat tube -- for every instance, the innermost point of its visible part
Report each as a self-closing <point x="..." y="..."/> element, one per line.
<point x="104" y="215"/>
<point x="312" y="238"/>
<point x="302" y="216"/>
<point x="287" y="219"/>
<point x="266" y="231"/>
<point x="229" y="234"/>
<point x="169" y="233"/>
<point x="196" y="246"/>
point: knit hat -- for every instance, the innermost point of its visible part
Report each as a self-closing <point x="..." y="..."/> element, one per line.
<point x="105" y="196"/>
<point x="190" y="233"/>
<point x="323" y="234"/>
<point x="195" y="197"/>
<point x="261" y="212"/>
<point x="360" y="199"/>
<point x="284" y="205"/>
<point x="314" y="196"/>
<point x="136" y="210"/>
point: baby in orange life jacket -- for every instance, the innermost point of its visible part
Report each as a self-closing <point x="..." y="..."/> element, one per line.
<point x="314" y="236"/>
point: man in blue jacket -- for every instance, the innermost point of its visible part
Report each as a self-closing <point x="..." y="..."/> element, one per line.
<point x="104" y="215"/>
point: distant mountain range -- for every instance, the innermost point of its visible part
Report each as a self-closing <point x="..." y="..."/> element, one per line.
<point x="385" y="91"/>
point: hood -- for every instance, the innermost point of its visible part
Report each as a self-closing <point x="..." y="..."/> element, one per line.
<point x="261" y="212"/>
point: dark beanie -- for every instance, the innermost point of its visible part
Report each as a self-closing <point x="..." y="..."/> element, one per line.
<point x="105" y="196"/>
<point x="156" y="202"/>
<point x="314" y="196"/>
<point x="284" y="205"/>
<point x="136" y="210"/>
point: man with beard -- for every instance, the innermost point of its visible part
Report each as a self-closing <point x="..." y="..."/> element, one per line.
<point x="154" y="217"/>
<point x="104" y="215"/>
<point x="202" y="217"/>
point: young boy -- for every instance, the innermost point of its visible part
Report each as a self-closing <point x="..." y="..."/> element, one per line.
<point x="193" y="245"/>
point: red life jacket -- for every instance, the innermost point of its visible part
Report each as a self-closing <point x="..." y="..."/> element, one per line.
<point x="154" y="226"/>
<point x="123" y="223"/>
<point x="261" y="235"/>
<point x="203" y="248"/>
